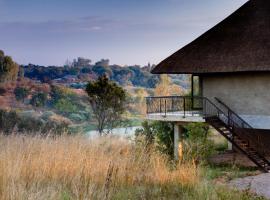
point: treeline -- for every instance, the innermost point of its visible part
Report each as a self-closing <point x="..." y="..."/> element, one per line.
<point x="82" y="70"/>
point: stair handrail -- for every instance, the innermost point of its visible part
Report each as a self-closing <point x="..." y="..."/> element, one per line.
<point x="230" y="122"/>
<point x="235" y="114"/>
<point x="235" y="124"/>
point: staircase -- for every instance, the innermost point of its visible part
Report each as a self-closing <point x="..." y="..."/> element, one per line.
<point x="235" y="130"/>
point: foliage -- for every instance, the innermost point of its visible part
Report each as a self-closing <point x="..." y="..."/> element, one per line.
<point x="165" y="136"/>
<point x="12" y="121"/>
<point x="147" y="132"/>
<point x="21" y="93"/>
<point x="159" y="133"/>
<point x="8" y="121"/>
<point x="108" y="102"/>
<point x="166" y="88"/>
<point x="70" y="103"/>
<point x="124" y="75"/>
<point x="8" y="68"/>
<point x="197" y="146"/>
<point x="64" y="105"/>
<point x="39" y="99"/>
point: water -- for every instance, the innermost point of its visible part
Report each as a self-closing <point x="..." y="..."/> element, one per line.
<point x="127" y="132"/>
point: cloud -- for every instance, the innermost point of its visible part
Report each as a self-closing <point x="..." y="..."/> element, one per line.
<point x="85" y="24"/>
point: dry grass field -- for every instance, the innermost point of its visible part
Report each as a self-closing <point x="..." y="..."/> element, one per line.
<point x="74" y="167"/>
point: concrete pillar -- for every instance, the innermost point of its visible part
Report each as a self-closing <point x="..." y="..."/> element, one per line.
<point x="178" y="136"/>
<point x="230" y="146"/>
<point x="176" y="141"/>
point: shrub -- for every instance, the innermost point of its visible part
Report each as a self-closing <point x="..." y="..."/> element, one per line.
<point x="197" y="145"/>
<point x="11" y="121"/>
<point x="65" y="106"/>
<point x="39" y="99"/>
<point x="8" y="121"/>
<point x="21" y="93"/>
<point x="159" y="133"/>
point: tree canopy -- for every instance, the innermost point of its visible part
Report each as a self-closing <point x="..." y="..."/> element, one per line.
<point x="108" y="102"/>
<point x="8" y="68"/>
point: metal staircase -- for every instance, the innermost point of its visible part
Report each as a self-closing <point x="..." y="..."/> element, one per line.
<point x="237" y="131"/>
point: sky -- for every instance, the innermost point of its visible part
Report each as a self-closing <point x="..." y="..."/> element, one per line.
<point x="128" y="32"/>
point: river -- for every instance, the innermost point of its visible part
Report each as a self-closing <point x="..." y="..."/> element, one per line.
<point x="127" y="132"/>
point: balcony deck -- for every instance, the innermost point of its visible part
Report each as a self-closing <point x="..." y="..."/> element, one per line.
<point x="180" y="116"/>
<point x="174" y="109"/>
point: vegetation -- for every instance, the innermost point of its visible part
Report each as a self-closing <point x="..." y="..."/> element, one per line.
<point x="21" y="93"/>
<point x="196" y="144"/>
<point x="39" y="99"/>
<point x="8" y="68"/>
<point x="23" y="122"/>
<point x="106" y="168"/>
<point x="83" y="71"/>
<point x="108" y="102"/>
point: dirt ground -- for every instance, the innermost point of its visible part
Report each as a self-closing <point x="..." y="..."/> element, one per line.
<point x="230" y="157"/>
<point x="259" y="184"/>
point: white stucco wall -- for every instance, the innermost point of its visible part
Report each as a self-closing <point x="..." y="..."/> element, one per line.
<point x="247" y="94"/>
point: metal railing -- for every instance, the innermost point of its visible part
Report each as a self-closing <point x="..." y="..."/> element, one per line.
<point x="183" y="105"/>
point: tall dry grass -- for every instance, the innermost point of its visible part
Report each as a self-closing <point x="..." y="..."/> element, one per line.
<point x="74" y="167"/>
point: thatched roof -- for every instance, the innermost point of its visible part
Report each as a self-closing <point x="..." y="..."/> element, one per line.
<point x="240" y="43"/>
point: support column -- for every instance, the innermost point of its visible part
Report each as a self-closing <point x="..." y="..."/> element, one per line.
<point x="230" y="146"/>
<point x="176" y="142"/>
<point x="178" y="132"/>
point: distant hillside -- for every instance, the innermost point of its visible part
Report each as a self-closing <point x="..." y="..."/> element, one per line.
<point x="81" y="71"/>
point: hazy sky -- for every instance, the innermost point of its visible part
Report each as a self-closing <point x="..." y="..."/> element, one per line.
<point x="47" y="32"/>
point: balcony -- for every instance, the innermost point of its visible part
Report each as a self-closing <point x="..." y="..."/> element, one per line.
<point x="175" y="108"/>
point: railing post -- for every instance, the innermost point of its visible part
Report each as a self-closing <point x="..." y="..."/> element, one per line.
<point x="184" y="106"/>
<point x="147" y="105"/>
<point x="165" y="107"/>
<point x="160" y="106"/>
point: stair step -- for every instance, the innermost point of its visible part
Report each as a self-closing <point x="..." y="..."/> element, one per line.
<point x="232" y="135"/>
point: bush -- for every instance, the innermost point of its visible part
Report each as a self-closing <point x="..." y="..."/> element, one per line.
<point x="65" y="106"/>
<point x="39" y="99"/>
<point x="8" y="121"/>
<point x="21" y="93"/>
<point x="11" y="121"/>
<point x="197" y="145"/>
<point x="160" y="134"/>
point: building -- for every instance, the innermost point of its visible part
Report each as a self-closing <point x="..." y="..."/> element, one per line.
<point x="230" y="68"/>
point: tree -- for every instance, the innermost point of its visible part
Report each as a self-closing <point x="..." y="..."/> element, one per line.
<point x="21" y="93"/>
<point x="108" y="102"/>
<point x="39" y="99"/>
<point x="8" y="68"/>
<point x="166" y="87"/>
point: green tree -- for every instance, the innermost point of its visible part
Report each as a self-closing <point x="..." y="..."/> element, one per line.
<point x="108" y="102"/>
<point x="66" y="106"/>
<point x="39" y="99"/>
<point x="21" y="93"/>
<point x="8" y="68"/>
